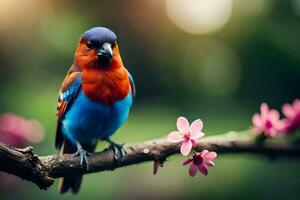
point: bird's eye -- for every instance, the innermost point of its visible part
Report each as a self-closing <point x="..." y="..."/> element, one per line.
<point x="90" y="45"/>
<point x="114" y="45"/>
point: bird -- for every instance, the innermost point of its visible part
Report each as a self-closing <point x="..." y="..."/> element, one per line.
<point x="94" y="101"/>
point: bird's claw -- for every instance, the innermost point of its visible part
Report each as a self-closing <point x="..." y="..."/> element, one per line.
<point x="83" y="158"/>
<point x="118" y="150"/>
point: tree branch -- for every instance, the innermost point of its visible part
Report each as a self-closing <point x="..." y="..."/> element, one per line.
<point x="42" y="170"/>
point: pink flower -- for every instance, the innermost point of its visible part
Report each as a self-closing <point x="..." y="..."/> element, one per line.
<point x="267" y="122"/>
<point x="186" y="134"/>
<point x="292" y="114"/>
<point x="200" y="162"/>
<point x="18" y="131"/>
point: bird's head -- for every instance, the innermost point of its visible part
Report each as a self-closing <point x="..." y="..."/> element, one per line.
<point x="98" y="48"/>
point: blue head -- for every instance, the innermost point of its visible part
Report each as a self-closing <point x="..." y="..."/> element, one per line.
<point x="96" y="48"/>
<point x="99" y="35"/>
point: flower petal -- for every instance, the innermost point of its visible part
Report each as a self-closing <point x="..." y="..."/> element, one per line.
<point x="271" y="132"/>
<point x="204" y="152"/>
<point x="280" y="125"/>
<point x="210" y="156"/>
<point x="175" y="136"/>
<point x="274" y="115"/>
<point x="187" y="161"/>
<point x="196" y="126"/>
<point x="288" y="110"/>
<point x="296" y="105"/>
<point x="209" y="163"/>
<point x="183" y="125"/>
<point x="203" y="170"/>
<point x="197" y="135"/>
<point x="256" y="120"/>
<point x="193" y="170"/>
<point x="186" y="147"/>
<point x="264" y="109"/>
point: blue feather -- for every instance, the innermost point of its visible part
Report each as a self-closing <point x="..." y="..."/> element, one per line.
<point x="88" y="121"/>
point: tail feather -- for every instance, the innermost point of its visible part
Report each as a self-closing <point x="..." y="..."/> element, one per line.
<point x="76" y="184"/>
<point x="69" y="182"/>
<point x="72" y="182"/>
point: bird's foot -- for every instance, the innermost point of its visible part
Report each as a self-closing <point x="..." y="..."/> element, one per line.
<point x="118" y="148"/>
<point x="83" y="156"/>
<point x="119" y="151"/>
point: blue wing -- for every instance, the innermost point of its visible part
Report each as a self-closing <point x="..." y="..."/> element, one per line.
<point x="132" y="85"/>
<point x="68" y="92"/>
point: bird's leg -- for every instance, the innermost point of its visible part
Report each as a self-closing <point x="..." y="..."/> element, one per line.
<point x="116" y="147"/>
<point x="83" y="156"/>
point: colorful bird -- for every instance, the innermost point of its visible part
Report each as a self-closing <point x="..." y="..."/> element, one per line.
<point x="94" y="100"/>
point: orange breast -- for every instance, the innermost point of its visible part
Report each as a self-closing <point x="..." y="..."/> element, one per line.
<point x="105" y="86"/>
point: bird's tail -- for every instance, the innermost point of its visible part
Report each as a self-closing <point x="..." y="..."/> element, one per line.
<point x="69" y="182"/>
<point x="72" y="182"/>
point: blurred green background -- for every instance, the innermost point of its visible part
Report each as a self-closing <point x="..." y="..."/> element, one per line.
<point x="211" y="59"/>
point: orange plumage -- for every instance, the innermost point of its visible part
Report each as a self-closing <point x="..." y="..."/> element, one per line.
<point x="105" y="85"/>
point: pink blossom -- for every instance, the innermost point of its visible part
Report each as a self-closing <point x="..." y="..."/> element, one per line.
<point x="186" y="134"/>
<point x="19" y="132"/>
<point x="267" y="122"/>
<point x="292" y="114"/>
<point x="200" y="162"/>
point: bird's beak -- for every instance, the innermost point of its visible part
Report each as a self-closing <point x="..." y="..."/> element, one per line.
<point x="105" y="51"/>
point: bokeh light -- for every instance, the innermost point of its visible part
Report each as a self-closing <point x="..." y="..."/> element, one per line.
<point x="216" y="71"/>
<point x="18" y="131"/>
<point x="58" y="34"/>
<point x="296" y="6"/>
<point x="253" y="8"/>
<point x="11" y="13"/>
<point x="199" y="16"/>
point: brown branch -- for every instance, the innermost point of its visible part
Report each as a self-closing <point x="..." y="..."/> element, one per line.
<point x="42" y="170"/>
